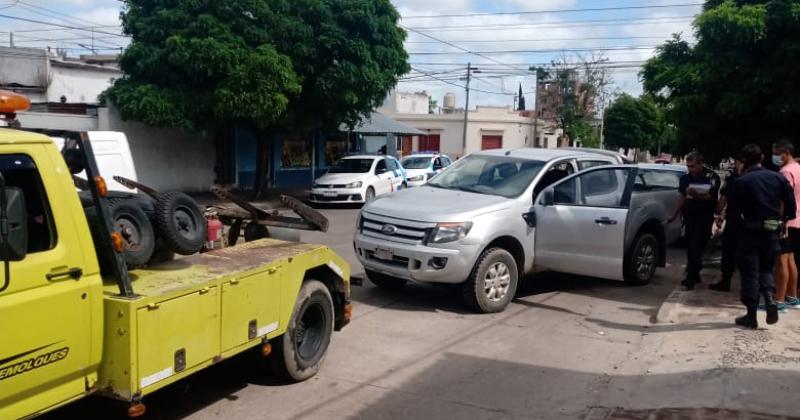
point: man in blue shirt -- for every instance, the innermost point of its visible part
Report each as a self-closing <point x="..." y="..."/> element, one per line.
<point x="698" y="201"/>
<point x="764" y="202"/>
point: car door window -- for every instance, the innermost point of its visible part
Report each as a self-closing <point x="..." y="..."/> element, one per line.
<point x="446" y="162"/>
<point x="20" y="171"/>
<point x="599" y="188"/>
<point x="381" y="167"/>
<point x="556" y="173"/>
<point x="586" y="164"/>
<point x="649" y="180"/>
<point x="437" y="164"/>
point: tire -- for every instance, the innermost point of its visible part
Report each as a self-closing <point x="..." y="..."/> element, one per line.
<point x="493" y="282"/>
<point x="385" y="282"/>
<point x="162" y="253"/>
<point x="370" y="195"/>
<point x="642" y="259"/>
<point x="180" y="223"/>
<point x="404" y="186"/>
<point x="254" y="231"/>
<point x="298" y="354"/>
<point x="137" y="232"/>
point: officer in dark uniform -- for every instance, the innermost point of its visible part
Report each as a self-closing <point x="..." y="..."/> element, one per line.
<point x="726" y="211"/>
<point x="698" y="201"/>
<point x="764" y="202"/>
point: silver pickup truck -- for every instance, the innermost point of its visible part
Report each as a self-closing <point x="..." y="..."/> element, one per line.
<point x="493" y="216"/>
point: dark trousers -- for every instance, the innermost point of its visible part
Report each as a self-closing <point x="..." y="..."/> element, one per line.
<point x="698" y="232"/>
<point x="730" y="239"/>
<point x="757" y="253"/>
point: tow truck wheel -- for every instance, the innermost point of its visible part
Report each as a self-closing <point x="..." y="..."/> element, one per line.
<point x="179" y="221"/>
<point x="137" y="232"/>
<point x="298" y="354"/>
<point x="493" y="282"/>
<point x="385" y="282"/>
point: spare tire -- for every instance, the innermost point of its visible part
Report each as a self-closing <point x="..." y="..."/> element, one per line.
<point x="162" y="253"/>
<point x="255" y="231"/>
<point x="180" y="223"/>
<point x="137" y="232"/>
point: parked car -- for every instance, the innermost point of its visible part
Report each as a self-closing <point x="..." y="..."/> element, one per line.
<point x="618" y="157"/>
<point x="359" y="179"/>
<point x="495" y="215"/>
<point x="423" y="166"/>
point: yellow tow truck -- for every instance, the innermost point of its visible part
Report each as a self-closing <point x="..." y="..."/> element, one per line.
<point x="66" y="331"/>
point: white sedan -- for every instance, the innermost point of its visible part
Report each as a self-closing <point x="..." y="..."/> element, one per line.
<point x="358" y="179"/>
<point x="423" y="166"/>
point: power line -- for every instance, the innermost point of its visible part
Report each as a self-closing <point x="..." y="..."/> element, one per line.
<point x="56" y="12"/>
<point x="557" y="24"/>
<point x="602" y="38"/>
<point x="482" y="53"/>
<point x="56" y="24"/>
<point x="61" y="29"/>
<point x="539" y="12"/>
<point x="462" y="86"/>
<point x="42" y="11"/>
<point x="456" y="46"/>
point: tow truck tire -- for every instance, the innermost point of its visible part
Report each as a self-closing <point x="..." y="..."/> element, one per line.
<point x="180" y="223"/>
<point x="369" y="195"/>
<point x="162" y="253"/>
<point x="298" y="354"/>
<point x="255" y="231"/>
<point x="493" y="282"/>
<point x="137" y="232"/>
<point x="642" y="259"/>
<point x="385" y="282"/>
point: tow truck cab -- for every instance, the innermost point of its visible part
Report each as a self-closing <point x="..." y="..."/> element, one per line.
<point x="68" y="332"/>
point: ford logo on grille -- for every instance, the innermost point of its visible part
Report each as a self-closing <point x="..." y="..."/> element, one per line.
<point x="389" y="229"/>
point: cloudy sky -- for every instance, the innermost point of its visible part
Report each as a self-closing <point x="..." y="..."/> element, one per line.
<point x="503" y="38"/>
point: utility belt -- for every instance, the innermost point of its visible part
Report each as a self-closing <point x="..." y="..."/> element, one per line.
<point x="765" y="226"/>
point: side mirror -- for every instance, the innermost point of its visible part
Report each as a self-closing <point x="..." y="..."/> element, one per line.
<point x="75" y="161"/>
<point x="14" y="243"/>
<point x="379" y="171"/>
<point x="13" y="228"/>
<point x="530" y="218"/>
<point x="548" y="197"/>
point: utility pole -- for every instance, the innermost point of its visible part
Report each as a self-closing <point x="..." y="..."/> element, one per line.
<point x="11" y="39"/>
<point x="470" y="69"/>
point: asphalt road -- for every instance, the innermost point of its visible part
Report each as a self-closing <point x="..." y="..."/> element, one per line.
<point x="564" y="345"/>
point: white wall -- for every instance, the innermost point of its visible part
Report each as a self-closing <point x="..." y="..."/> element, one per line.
<point x="517" y="130"/>
<point x="405" y="103"/>
<point x="166" y="159"/>
<point x="78" y="85"/>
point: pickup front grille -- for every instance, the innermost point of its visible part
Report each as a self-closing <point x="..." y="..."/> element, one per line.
<point x="395" y="230"/>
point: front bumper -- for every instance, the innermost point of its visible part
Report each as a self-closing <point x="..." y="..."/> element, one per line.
<point x="338" y="195"/>
<point x="412" y="184"/>
<point x="412" y="262"/>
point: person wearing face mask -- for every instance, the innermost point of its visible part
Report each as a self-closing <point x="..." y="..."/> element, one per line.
<point x="786" y="266"/>
<point x="764" y="201"/>
<point x="697" y="201"/>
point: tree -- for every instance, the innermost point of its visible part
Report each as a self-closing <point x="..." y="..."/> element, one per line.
<point x="633" y="123"/>
<point x="269" y="64"/>
<point x="433" y="104"/>
<point x="521" y="106"/>
<point x="737" y="84"/>
<point x="580" y="82"/>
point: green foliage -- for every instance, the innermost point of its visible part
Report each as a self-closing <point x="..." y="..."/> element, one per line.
<point x="302" y="63"/>
<point x="738" y="83"/>
<point x="633" y="123"/>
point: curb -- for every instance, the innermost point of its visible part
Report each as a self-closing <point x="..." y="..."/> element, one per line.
<point x="668" y="312"/>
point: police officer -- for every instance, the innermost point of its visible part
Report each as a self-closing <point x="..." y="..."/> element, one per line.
<point x="698" y="201"/>
<point x="764" y="201"/>
<point x="727" y="212"/>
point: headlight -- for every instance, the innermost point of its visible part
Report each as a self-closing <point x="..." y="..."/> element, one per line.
<point x="356" y="184"/>
<point x="417" y="178"/>
<point x="450" y="232"/>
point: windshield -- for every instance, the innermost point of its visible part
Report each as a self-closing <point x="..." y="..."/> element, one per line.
<point x="494" y="175"/>
<point x="417" y="163"/>
<point x="351" y="166"/>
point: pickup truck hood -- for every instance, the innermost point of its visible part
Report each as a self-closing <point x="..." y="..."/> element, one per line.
<point x="429" y="204"/>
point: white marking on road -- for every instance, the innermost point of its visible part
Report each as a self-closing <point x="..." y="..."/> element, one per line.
<point x="267" y="329"/>
<point x="150" y="380"/>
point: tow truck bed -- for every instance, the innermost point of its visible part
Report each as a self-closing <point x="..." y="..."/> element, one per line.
<point x="196" y="311"/>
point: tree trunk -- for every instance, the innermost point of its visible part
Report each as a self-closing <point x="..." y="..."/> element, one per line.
<point x="226" y="159"/>
<point x="263" y="156"/>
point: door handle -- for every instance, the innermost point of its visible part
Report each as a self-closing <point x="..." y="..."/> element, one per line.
<point x="74" y="273"/>
<point x="605" y="221"/>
